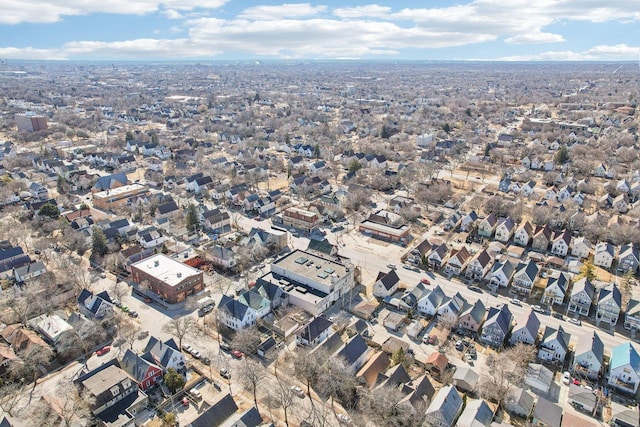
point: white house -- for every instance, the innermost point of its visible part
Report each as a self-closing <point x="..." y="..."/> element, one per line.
<point x="554" y="345"/>
<point x="523" y="234"/>
<point x="501" y="274"/>
<point x="525" y="329"/>
<point x="386" y="284"/>
<point x="560" y="243"/>
<point x="556" y="289"/>
<point x="235" y="314"/>
<point x="581" y="247"/>
<point x="604" y="255"/>
<point x="429" y="304"/>
<point x="505" y="229"/>
<point x="588" y="356"/>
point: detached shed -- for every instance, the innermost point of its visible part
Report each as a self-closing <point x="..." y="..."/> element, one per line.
<point x="436" y="363"/>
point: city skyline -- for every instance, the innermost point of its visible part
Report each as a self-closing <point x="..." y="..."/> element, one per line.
<point x="488" y="30"/>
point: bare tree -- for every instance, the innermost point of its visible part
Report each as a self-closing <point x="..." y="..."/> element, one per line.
<point x="283" y="395"/>
<point x="180" y="327"/>
<point x="68" y="405"/>
<point x="11" y="393"/>
<point x="252" y="375"/>
<point x="504" y="372"/>
<point x="246" y="340"/>
<point x="383" y="406"/>
<point x="307" y="366"/>
<point x="337" y="381"/>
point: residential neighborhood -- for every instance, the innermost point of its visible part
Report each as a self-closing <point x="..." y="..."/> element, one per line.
<point x="319" y="245"/>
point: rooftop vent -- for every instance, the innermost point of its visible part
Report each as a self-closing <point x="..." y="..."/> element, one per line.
<point x="179" y="275"/>
<point x="156" y="263"/>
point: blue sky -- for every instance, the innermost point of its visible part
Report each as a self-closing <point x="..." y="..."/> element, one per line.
<point x="549" y="30"/>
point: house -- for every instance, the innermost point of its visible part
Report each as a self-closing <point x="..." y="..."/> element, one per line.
<point x="217" y="221"/>
<point x="600" y="171"/>
<point x="52" y="327"/>
<point x="632" y="316"/>
<point x="143" y="371"/>
<point x="588" y="356"/>
<point x="621" y="203"/>
<point x="468" y="220"/>
<point x="445" y="408"/>
<point x="267" y="348"/>
<point x="429" y="304"/>
<point x="546" y="414"/>
<point x="386" y="284"/>
<point x="554" y="345"/>
<point x="95" y="306"/>
<point x="505" y="229"/>
<point x="260" y="305"/>
<point x="582" y="398"/>
<point x="497" y="326"/>
<point x="165" y="354"/>
<point x="556" y="289"/>
<point x="487" y="226"/>
<point x="450" y="308"/>
<point x="314" y="332"/>
<point x="604" y="254"/>
<point x="110" y="182"/>
<point x="528" y="188"/>
<point x="501" y="274"/>
<point x="457" y="261"/>
<point x="609" y="305"/>
<point x="471" y="317"/>
<point x="476" y="413"/>
<point x="235" y="314"/>
<point x="525" y="329"/>
<point x="560" y="243"/>
<point x="29" y="271"/>
<point x="479" y="265"/>
<point x="437" y="256"/>
<point x="541" y="238"/>
<point x="465" y="379"/>
<point x="624" y="368"/>
<point x="151" y="237"/>
<point x="23" y="339"/>
<point x="114" y="395"/>
<point x="582" y="296"/>
<point x="628" y="258"/>
<point x="624" y="416"/>
<point x="525" y="275"/>
<point x="223" y="257"/>
<point x="539" y="377"/>
<point x="168" y="210"/>
<point x="523" y="234"/>
<point x="581" y="247"/>
<point x="520" y="402"/>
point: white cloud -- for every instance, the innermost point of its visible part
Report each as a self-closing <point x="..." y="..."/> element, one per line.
<point x="620" y="52"/>
<point x="289" y="10"/>
<point x="371" y="10"/>
<point x="49" y="11"/>
<point x="535" y="38"/>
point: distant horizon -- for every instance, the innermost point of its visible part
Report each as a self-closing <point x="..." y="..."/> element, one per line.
<point x="266" y="30"/>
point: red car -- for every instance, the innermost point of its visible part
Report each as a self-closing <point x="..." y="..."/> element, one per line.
<point x="576" y="381"/>
<point x="237" y="354"/>
<point x="104" y="350"/>
<point x="425" y="281"/>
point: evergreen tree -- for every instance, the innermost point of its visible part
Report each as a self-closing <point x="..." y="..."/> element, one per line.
<point x="173" y="380"/>
<point x="446" y="128"/>
<point x="193" y="222"/>
<point x="562" y="155"/>
<point x="385" y="133"/>
<point x="50" y="210"/>
<point x="128" y="136"/>
<point x="354" y="166"/>
<point x="99" y="242"/>
<point x="316" y="151"/>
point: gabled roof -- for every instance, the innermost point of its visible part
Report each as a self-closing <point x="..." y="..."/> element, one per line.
<point x="590" y="342"/>
<point x="530" y="269"/>
<point x="476" y="414"/>
<point x="106" y="182"/>
<point x="448" y="403"/>
<point x="136" y="366"/>
<point x="610" y="293"/>
<point x="506" y="267"/>
<point x="507" y="223"/>
<point x="436" y="296"/>
<point x="315" y="328"/>
<point x="551" y="334"/>
<point x="475" y="311"/>
<point x="483" y="258"/>
<point x="217" y="413"/>
<point x="561" y="282"/>
<point x="501" y="317"/>
<point x="528" y="321"/>
<point x="623" y="355"/>
<point x="165" y="208"/>
<point x="353" y="349"/>
<point x="235" y="308"/>
<point x="585" y="285"/>
<point x="389" y="280"/>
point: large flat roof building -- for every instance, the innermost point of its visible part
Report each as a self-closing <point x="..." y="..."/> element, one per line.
<point x="114" y="197"/>
<point x="167" y="277"/>
<point x="312" y="282"/>
<point x="31" y="122"/>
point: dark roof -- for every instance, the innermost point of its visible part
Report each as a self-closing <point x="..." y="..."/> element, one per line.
<point x="323" y="246"/>
<point x="354" y="349"/>
<point x="250" y="418"/>
<point x="235" y="308"/>
<point x="390" y="279"/>
<point x="315" y="328"/>
<point x="106" y="182"/>
<point x="167" y="207"/>
<point x="216" y="414"/>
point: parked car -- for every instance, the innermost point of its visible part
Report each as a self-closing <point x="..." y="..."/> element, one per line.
<point x="425" y="281"/>
<point x="475" y="289"/>
<point x="124" y="308"/>
<point x="515" y="301"/>
<point x="133" y="314"/>
<point x="344" y="419"/>
<point x="196" y="354"/>
<point x="205" y="360"/>
<point x="575" y="321"/>
<point x="143" y="334"/>
<point x="459" y="345"/>
<point x="566" y="378"/>
<point x="225" y="374"/>
<point x="185" y="401"/>
<point x="103" y="275"/>
<point x="430" y="339"/>
<point x="237" y="354"/>
<point x="297" y="391"/>
<point x="225" y="347"/>
<point x="391" y="266"/>
<point x="537" y="308"/>
<point x="472" y="352"/>
<point x="104" y="350"/>
<point x="558" y="316"/>
<point x="187" y="348"/>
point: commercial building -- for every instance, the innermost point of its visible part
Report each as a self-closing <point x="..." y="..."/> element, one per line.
<point x="31" y="122"/>
<point x="311" y="281"/>
<point x="386" y="226"/>
<point x="114" y="197"/>
<point x="300" y="219"/>
<point x="170" y="279"/>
